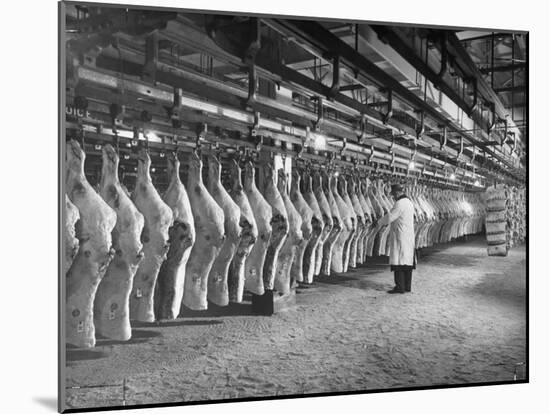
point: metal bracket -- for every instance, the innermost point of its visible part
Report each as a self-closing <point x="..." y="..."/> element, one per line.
<point x="259" y="143"/>
<point x="514" y="143"/>
<point x="420" y="129"/>
<point x="254" y="46"/>
<point x="151" y="57"/>
<point x="335" y="88"/>
<point x="389" y="113"/>
<point x="202" y="130"/>
<point x="443" y="140"/>
<point x="474" y="103"/>
<point x="493" y="117"/>
<point x="344" y="145"/>
<point x="371" y="155"/>
<point x="363" y="127"/>
<point x="256" y="127"/>
<point x="444" y="54"/>
<point x="320" y="117"/>
<point x="461" y="148"/>
<point x="176" y="106"/>
<point x="252" y="85"/>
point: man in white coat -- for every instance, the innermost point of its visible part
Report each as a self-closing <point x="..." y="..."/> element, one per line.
<point x="402" y="254"/>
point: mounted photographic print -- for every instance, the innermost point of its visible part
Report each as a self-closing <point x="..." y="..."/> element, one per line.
<point x="276" y="207"/>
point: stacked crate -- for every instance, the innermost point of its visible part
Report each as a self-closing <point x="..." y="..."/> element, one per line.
<point x="516" y="211"/>
<point x="496" y="221"/>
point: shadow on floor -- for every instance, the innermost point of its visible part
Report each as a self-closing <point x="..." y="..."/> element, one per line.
<point x="334" y="279"/>
<point x="502" y="287"/>
<point x="138" y="336"/>
<point x="214" y="311"/>
<point x="75" y="354"/>
<point x="48" y="402"/>
<point x="189" y="322"/>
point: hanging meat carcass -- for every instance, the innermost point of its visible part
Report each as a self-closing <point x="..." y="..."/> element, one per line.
<point x="324" y="182"/>
<point x="306" y="214"/>
<point x="171" y="279"/>
<point x="112" y="300"/>
<point x="378" y="202"/>
<point x="279" y="225"/>
<point x="158" y="219"/>
<point x="320" y="224"/>
<point x="283" y="265"/>
<point x="359" y="222"/>
<point x="348" y="227"/>
<point x="217" y="279"/>
<point x="362" y="184"/>
<point x="93" y="231"/>
<point x="71" y="242"/>
<point x="249" y="236"/>
<point x="367" y="222"/>
<point x="261" y="209"/>
<point x="210" y="236"/>
<point x="383" y="237"/>
<point x="342" y="186"/>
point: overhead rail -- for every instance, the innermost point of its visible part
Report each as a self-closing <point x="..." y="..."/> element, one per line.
<point x="227" y="117"/>
<point x="220" y="91"/>
<point x="325" y="42"/>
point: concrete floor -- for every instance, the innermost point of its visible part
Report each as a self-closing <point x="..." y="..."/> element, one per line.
<point x="464" y="322"/>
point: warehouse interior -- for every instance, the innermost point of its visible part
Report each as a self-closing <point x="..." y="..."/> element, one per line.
<point x="252" y="158"/>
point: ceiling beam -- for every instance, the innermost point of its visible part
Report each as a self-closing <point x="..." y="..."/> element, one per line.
<point x="505" y="68"/>
<point x="516" y="88"/>
<point x="321" y="39"/>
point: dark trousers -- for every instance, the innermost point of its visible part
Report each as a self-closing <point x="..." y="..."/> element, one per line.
<point x="403" y="280"/>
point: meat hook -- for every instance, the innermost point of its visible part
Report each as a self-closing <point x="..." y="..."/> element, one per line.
<point x="320" y="116"/>
<point x="443" y="140"/>
<point x="344" y="145"/>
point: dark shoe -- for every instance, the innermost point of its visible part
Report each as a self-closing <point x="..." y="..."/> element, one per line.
<point x="408" y="281"/>
<point x="395" y="290"/>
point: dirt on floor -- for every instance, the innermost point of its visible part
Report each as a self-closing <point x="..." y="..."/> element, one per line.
<point x="464" y="322"/>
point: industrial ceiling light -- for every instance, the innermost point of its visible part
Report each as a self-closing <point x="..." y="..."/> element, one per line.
<point x="477" y="184"/>
<point x="453" y="176"/>
<point x="336" y="173"/>
<point x="411" y="165"/>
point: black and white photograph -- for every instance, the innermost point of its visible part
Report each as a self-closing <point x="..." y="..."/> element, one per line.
<point x="259" y="206"/>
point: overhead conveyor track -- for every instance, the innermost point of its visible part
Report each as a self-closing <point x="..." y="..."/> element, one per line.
<point x="229" y="118"/>
<point x="449" y="149"/>
<point x="323" y="41"/>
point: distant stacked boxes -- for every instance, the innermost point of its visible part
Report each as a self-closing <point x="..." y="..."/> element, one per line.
<point x="516" y="210"/>
<point x="495" y="221"/>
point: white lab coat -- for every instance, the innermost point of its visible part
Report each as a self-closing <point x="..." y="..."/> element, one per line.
<point x="401" y="219"/>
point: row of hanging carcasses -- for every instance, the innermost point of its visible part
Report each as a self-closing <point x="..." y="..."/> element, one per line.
<point x="142" y="256"/>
